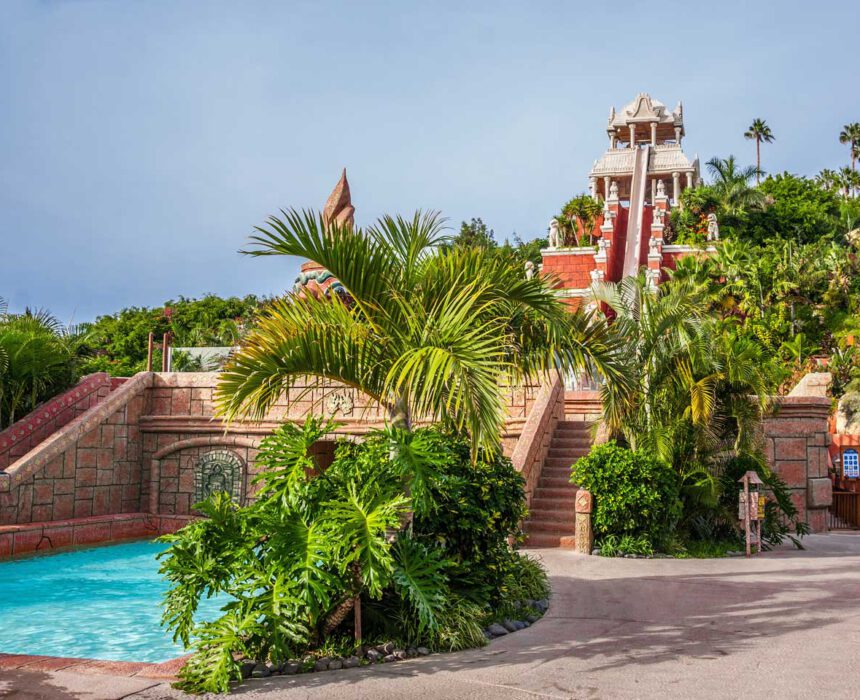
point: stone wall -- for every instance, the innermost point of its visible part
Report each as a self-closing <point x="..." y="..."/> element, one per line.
<point x="145" y="448"/>
<point x="531" y="447"/>
<point x="21" y="437"/>
<point x="90" y="467"/>
<point x="796" y="442"/>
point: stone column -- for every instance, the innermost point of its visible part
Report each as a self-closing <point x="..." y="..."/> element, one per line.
<point x="632" y="136"/>
<point x="613" y="136"/>
<point x="678" y="135"/>
<point x="584" y="538"/>
<point x="653" y="133"/>
<point x="606" y="182"/>
<point x="593" y="186"/>
<point x="690" y="179"/>
<point x="676" y="188"/>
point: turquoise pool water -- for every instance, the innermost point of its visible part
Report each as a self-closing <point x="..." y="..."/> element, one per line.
<point x="99" y="603"/>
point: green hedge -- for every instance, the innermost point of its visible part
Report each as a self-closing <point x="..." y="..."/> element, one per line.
<point x="635" y="494"/>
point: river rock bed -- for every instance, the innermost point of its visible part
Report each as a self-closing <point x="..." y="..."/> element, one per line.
<point x="382" y="653"/>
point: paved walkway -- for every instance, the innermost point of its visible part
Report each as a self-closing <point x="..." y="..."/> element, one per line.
<point x="784" y="625"/>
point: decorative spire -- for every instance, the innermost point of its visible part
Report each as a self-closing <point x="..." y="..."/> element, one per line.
<point x="339" y="207"/>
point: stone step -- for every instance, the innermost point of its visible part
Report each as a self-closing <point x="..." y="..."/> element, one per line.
<point x="554" y="527"/>
<point x="556" y="472"/>
<point x="565" y="452"/>
<point x="574" y="425"/>
<point x="545" y="503"/>
<point x="553" y="462"/>
<point x="555" y="481"/>
<point x="568" y="491"/>
<point x="542" y="539"/>
<point x="577" y="443"/>
<point x="554" y="515"/>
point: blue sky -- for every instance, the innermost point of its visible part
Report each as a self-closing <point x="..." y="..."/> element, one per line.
<point x="141" y="141"/>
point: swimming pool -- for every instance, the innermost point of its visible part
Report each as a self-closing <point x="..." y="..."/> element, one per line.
<point x="99" y="603"/>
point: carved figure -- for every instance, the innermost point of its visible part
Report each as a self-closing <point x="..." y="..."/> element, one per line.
<point x="554" y="235"/>
<point x="530" y="269"/>
<point x="653" y="246"/>
<point x="613" y="190"/>
<point x="340" y="402"/>
<point x="661" y="189"/>
<point x="713" y="227"/>
<point x="658" y="216"/>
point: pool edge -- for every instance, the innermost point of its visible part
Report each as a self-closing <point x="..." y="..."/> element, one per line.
<point x="165" y="670"/>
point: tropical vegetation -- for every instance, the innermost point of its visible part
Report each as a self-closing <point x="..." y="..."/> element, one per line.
<point x="427" y="332"/>
<point x="39" y="358"/>
<point x="315" y="544"/>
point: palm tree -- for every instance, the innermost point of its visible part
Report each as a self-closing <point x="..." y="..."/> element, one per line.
<point x="688" y="382"/>
<point x="847" y="180"/>
<point x="37" y="360"/>
<point x="828" y="179"/>
<point x="759" y="131"/>
<point x="731" y="187"/>
<point x="425" y="331"/>
<point x="850" y="134"/>
<point x="583" y="211"/>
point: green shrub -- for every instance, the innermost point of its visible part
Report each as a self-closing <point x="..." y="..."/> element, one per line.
<point x="292" y="562"/>
<point x="476" y="509"/>
<point x="635" y="494"/>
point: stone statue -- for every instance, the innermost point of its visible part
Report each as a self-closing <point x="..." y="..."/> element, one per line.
<point x="530" y="269"/>
<point x="713" y="227"/>
<point x="653" y="246"/>
<point x="339" y="207"/>
<point x="658" y="216"/>
<point x="554" y="235"/>
<point x="597" y="276"/>
<point x="653" y="277"/>
<point x="613" y="190"/>
<point x="661" y="189"/>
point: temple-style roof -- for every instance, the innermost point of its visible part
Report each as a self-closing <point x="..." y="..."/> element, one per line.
<point x="645" y="109"/>
<point x="664" y="159"/>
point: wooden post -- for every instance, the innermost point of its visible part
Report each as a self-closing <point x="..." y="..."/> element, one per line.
<point x="149" y="354"/>
<point x="584" y="538"/>
<point x="747" y="515"/>
<point x="165" y="339"/>
<point x="356" y="610"/>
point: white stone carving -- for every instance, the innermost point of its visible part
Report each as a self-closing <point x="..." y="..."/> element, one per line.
<point x="713" y="227"/>
<point x="613" y="191"/>
<point x="597" y="276"/>
<point x="653" y="277"/>
<point x="554" y="235"/>
<point x="661" y="188"/>
<point x="530" y="269"/>
<point x="340" y="401"/>
<point x="654" y="246"/>
<point x="658" y="216"/>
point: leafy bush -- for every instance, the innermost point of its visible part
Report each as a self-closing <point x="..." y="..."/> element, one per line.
<point x="635" y="495"/>
<point x="476" y="509"/>
<point x="293" y="563"/>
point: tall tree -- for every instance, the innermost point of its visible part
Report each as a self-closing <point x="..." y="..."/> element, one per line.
<point x="427" y="331"/>
<point x="582" y="211"/>
<point x="731" y="186"/>
<point x="760" y="132"/>
<point x="850" y="134"/>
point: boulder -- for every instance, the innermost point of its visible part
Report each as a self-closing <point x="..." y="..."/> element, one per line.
<point x="351" y="662"/>
<point x="260" y="671"/>
<point x="496" y="630"/>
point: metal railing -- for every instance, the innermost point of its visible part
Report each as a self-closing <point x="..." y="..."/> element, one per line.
<point x="844" y="512"/>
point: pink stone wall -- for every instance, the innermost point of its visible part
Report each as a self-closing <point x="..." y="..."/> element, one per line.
<point x="531" y="447"/>
<point x="21" y="437"/>
<point x="90" y="467"/>
<point x="797" y="437"/>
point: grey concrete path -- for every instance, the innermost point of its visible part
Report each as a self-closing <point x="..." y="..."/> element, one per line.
<point x="784" y="625"/>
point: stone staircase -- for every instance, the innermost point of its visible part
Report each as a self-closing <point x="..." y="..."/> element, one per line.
<point x="551" y="515"/>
